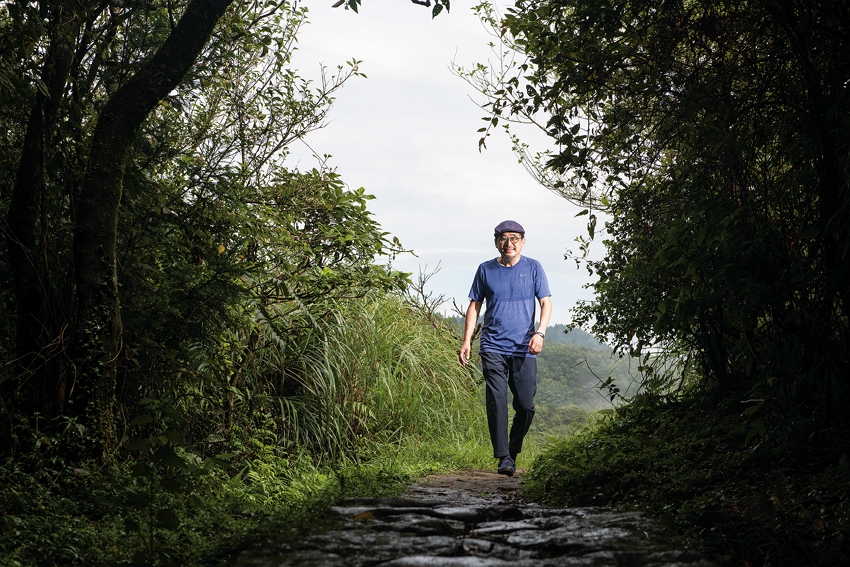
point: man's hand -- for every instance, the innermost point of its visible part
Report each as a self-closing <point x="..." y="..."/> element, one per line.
<point x="535" y="345"/>
<point x="463" y="355"/>
<point x="468" y="330"/>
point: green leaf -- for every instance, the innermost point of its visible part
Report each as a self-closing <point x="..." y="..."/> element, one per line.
<point x="210" y="464"/>
<point x="142" y="419"/>
<point x="132" y="526"/>
<point x="173" y="414"/>
<point x="167" y="519"/>
<point x="165" y="455"/>
<point x="811" y="232"/>
<point x="137" y="499"/>
<point x="173" y="485"/>
<point x="138" y="444"/>
<point x="174" y="437"/>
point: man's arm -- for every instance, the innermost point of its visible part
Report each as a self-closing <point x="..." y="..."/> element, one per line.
<point x="472" y="313"/>
<point x="535" y="345"/>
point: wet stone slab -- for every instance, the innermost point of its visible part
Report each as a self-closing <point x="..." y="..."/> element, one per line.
<point x="475" y="519"/>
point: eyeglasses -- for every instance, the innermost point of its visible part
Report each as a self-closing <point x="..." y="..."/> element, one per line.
<point x="512" y="239"/>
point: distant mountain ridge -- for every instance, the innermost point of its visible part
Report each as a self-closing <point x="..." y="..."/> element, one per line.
<point x="554" y="333"/>
<point x="558" y="333"/>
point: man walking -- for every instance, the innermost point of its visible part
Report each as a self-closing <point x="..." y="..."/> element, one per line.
<point x="510" y="285"/>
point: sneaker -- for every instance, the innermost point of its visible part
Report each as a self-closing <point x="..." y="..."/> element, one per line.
<point x="507" y="466"/>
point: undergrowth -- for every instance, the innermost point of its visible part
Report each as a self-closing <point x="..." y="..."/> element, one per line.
<point x="775" y="499"/>
<point x="60" y="515"/>
<point x="372" y="398"/>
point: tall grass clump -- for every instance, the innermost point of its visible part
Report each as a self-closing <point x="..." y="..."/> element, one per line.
<point x="341" y="381"/>
<point x="397" y="379"/>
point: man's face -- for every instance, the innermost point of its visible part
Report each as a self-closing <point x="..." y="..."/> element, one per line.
<point x="509" y="244"/>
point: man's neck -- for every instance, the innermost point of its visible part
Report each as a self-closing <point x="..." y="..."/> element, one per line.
<point x="508" y="262"/>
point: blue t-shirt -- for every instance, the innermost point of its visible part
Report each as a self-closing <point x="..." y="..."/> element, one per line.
<point x="510" y="295"/>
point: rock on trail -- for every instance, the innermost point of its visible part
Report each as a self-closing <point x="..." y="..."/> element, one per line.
<point x="475" y="519"/>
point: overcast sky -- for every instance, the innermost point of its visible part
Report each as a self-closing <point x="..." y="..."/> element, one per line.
<point x="407" y="134"/>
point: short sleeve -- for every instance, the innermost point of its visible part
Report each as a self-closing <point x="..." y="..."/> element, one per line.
<point x="476" y="292"/>
<point x="541" y="284"/>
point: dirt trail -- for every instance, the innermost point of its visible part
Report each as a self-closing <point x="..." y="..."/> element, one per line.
<point x="484" y="484"/>
<point x="476" y="518"/>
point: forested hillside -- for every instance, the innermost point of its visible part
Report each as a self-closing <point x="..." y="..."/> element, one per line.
<point x="568" y="386"/>
<point x="574" y="379"/>
<point x="560" y="333"/>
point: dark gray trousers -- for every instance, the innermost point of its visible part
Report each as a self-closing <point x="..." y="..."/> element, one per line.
<point x="519" y="373"/>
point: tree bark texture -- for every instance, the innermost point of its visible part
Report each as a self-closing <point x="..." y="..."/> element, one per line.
<point x="37" y="389"/>
<point x="98" y="325"/>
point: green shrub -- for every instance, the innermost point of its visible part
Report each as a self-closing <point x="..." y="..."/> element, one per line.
<point x="744" y="499"/>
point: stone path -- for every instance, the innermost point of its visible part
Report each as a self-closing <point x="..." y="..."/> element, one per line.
<point x="476" y="519"/>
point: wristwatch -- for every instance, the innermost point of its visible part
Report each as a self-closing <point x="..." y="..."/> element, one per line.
<point x="542" y="336"/>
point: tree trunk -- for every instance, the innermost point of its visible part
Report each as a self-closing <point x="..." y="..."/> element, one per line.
<point x="98" y="329"/>
<point x="36" y="390"/>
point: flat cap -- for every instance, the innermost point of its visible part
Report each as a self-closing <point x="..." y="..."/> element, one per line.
<point x="508" y="226"/>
